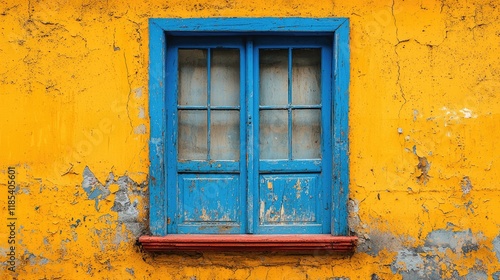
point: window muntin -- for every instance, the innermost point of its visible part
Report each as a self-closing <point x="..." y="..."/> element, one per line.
<point x="290" y="103"/>
<point x="208" y="99"/>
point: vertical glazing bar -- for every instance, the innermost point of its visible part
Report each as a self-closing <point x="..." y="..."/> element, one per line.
<point x="290" y="103"/>
<point x="209" y="61"/>
<point x="252" y="124"/>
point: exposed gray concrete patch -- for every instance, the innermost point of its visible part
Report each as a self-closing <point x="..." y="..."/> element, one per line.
<point x="496" y="247"/>
<point x="140" y="129"/>
<point x="476" y="275"/>
<point x="425" y="263"/>
<point x="353" y="220"/>
<point x="94" y="189"/>
<point x="130" y="270"/>
<point x="466" y="185"/>
<point x="408" y="262"/>
<point x="33" y="259"/>
<point x="496" y="275"/>
<point x="457" y="241"/>
<point x="127" y="209"/>
<point x="138" y="92"/>
<point x="378" y="241"/>
<point x="128" y="213"/>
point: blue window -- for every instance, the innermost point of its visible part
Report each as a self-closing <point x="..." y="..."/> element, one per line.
<point x="249" y="126"/>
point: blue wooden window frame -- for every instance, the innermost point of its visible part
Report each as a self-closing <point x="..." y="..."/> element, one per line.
<point x="162" y="156"/>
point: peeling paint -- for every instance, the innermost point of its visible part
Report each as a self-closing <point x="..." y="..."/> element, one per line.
<point x="466" y="185"/>
<point x="94" y="189"/>
<point x="434" y="261"/>
<point x="423" y="166"/>
<point x="496" y="247"/>
<point x="458" y="241"/>
<point x="140" y="129"/>
<point x="411" y="263"/>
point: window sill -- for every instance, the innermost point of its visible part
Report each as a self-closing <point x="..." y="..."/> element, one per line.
<point x="246" y="242"/>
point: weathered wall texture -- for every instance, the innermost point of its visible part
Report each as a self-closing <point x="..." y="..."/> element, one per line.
<point x="424" y="133"/>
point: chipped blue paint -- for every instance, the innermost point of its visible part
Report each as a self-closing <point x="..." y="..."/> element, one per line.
<point x="340" y="143"/>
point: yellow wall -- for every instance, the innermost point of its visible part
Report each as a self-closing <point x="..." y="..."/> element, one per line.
<point x="424" y="132"/>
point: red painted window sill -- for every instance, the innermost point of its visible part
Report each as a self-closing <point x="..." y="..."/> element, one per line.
<point x="247" y="242"/>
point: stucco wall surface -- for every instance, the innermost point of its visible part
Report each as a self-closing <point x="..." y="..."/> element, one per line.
<point x="424" y="131"/>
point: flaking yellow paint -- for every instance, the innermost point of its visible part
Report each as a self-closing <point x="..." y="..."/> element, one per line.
<point x="424" y="116"/>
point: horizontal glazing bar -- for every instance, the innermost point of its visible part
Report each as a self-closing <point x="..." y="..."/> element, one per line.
<point x="230" y="108"/>
<point x="286" y="107"/>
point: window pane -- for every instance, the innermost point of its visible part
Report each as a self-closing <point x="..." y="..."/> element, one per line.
<point x="225" y="77"/>
<point x="273" y="134"/>
<point x="306" y="134"/>
<point x="225" y="135"/>
<point x="192" y="135"/>
<point x="192" y="77"/>
<point x="273" y="67"/>
<point x="306" y="76"/>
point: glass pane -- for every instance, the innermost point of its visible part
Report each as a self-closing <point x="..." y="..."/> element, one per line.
<point x="273" y="134"/>
<point x="273" y="67"/>
<point x="225" y="77"/>
<point x="306" y="76"/>
<point x="306" y="134"/>
<point x="192" y="77"/>
<point x="225" y="135"/>
<point x="192" y="135"/>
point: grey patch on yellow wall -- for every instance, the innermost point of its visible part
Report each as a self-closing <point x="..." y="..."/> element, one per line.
<point x="496" y="247"/>
<point x="425" y="263"/>
<point x="466" y="185"/>
<point x="128" y="213"/>
<point x="376" y="241"/>
<point x="94" y="189"/>
<point x="127" y="209"/>
<point x="354" y="220"/>
<point x="140" y="129"/>
<point x="458" y="241"/>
